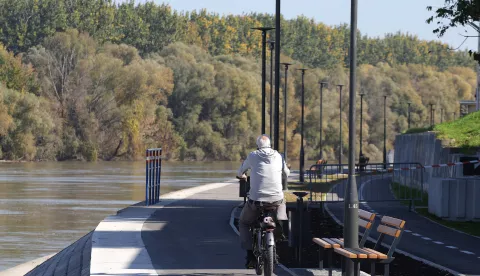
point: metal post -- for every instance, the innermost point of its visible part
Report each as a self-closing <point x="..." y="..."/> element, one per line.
<point x="454" y="116"/>
<point x="322" y="84"/>
<point x="264" y="59"/>
<point x="272" y="47"/>
<point x="385" y="132"/>
<point x="285" y="108"/>
<point x="433" y="117"/>
<point x="409" y="103"/>
<point x="361" y="126"/>
<point x="302" y="150"/>
<point x="351" y="196"/>
<point x="277" y="74"/>
<point x="441" y="115"/>
<point x="341" y="139"/>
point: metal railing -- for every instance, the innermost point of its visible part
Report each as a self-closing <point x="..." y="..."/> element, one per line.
<point x="375" y="182"/>
<point x="153" y="172"/>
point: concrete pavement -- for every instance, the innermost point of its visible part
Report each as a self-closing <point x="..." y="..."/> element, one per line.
<point x="423" y="239"/>
<point x="187" y="233"/>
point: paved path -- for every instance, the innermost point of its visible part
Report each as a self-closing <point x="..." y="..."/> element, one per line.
<point x="423" y="238"/>
<point x="188" y="233"/>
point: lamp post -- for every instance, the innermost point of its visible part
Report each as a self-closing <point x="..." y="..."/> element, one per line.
<point x="340" y="86"/>
<point x="441" y="115"/>
<point x="272" y="47"/>
<point x="361" y="126"/>
<point x="285" y="101"/>
<point x="409" y="103"/>
<point x="264" y="57"/>
<point x="302" y="151"/>
<point x="277" y="74"/>
<point x="454" y="115"/>
<point x="322" y="84"/>
<point x="385" y="131"/>
<point x="350" y="233"/>
<point x="431" y="115"/>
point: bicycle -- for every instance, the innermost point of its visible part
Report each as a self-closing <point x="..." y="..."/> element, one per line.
<point x="264" y="247"/>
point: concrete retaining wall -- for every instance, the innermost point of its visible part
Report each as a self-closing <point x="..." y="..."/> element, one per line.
<point x="455" y="199"/>
<point x="425" y="149"/>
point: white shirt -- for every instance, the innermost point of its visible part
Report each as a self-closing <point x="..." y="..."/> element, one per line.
<point x="266" y="176"/>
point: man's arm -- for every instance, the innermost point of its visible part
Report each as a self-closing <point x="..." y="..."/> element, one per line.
<point x="286" y="170"/>
<point x="244" y="167"/>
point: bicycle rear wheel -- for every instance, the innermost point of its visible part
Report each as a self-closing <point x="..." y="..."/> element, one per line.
<point x="268" y="264"/>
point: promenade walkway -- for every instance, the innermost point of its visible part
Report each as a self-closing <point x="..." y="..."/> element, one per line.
<point x="425" y="240"/>
<point x="187" y="233"/>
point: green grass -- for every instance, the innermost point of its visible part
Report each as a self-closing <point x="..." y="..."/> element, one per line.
<point x="418" y="130"/>
<point x="400" y="191"/>
<point x="462" y="133"/>
<point x="469" y="227"/>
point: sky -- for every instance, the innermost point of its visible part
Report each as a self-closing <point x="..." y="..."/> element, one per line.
<point x="375" y="17"/>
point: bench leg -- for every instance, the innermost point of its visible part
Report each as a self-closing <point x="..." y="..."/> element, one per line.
<point x="343" y="265"/>
<point x="387" y="270"/>
<point x="321" y="254"/>
<point x="330" y="262"/>
<point x="356" y="268"/>
<point x="372" y="269"/>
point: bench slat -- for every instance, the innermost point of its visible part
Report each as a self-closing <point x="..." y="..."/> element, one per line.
<point x="393" y="221"/>
<point x="389" y="231"/>
<point x="338" y="241"/>
<point x="322" y="243"/>
<point x="364" y="223"/>
<point x="366" y="215"/>
<point x="333" y="243"/>
<point x="345" y="253"/>
<point x="380" y="255"/>
<point x="370" y="255"/>
<point x="360" y="255"/>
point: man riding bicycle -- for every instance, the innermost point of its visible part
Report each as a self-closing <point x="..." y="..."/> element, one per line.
<point x="267" y="166"/>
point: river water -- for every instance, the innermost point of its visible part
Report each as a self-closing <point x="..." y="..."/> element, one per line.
<point x="44" y="207"/>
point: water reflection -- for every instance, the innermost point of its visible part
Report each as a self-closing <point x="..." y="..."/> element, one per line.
<point x="46" y="206"/>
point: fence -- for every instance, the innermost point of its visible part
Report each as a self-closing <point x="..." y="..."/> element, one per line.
<point x="153" y="171"/>
<point x="386" y="182"/>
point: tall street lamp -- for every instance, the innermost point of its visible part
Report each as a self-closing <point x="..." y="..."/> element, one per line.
<point x="408" y="111"/>
<point x="431" y="115"/>
<point x="340" y="86"/>
<point x="454" y="115"/>
<point x="350" y="229"/>
<point x="277" y="79"/>
<point x="272" y="47"/>
<point x="385" y="131"/>
<point x="441" y="115"/>
<point x="285" y="101"/>
<point x="322" y="84"/>
<point x="361" y="125"/>
<point x="264" y="57"/>
<point x="302" y="152"/>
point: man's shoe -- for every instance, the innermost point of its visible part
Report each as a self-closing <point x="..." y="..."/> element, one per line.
<point x="251" y="260"/>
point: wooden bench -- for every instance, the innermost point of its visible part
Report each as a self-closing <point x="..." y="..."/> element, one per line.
<point x="328" y="245"/>
<point x="388" y="226"/>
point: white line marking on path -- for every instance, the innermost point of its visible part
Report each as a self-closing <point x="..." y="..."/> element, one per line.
<point x="408" y="231"/>
<point x="467" y="252"/>
<point x="438" y="242"/>
<point x="415" y="234"/>
<point x="427" y="239"/>
<point x="451" y="247"/>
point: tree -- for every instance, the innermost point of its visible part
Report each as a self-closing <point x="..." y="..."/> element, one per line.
<point x="457" y="13"/>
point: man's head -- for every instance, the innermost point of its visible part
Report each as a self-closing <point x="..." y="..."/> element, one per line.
<point x="263" y="141"/>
